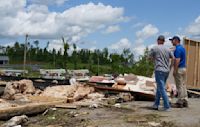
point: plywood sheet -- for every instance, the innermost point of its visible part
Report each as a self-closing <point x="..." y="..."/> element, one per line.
<point x="193" y="63"/>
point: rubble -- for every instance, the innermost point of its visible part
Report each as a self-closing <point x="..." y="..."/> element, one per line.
<point x="118" y="86"/>
<point x="117" y="105"/>
<point x="26" y="86"/>
<point x="70" y="92"/>
<point x="18" y="88"/>
<point x="94" y="106"/>
<point x="120" y="81"/>
<point x="126" y="97"/>
<point x="135" y="83"/>
<point x="94" y="96"/>
<point x="82" y="91"/>
<point x="20" y="97"/>
<point x="96" y="79"/>
<point x="61" y="91"/>
<point x="130" y="77"/>
<point x="154" y="124"/>
<point x="16" y="121"/>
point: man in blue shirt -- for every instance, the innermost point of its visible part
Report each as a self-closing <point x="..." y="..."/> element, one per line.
<point x="180" y="72"/>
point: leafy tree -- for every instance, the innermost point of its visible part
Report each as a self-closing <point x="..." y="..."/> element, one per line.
<point x="65" y="56"/>
<point x="144" y="66"/>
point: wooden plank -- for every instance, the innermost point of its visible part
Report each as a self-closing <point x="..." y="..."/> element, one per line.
<point x="195" y="63"/>
<point x="194" y="92"/>
<point x="27" y="109"/>
<point x="66" y="106"/>
<point x="192" y="60"/>
<point x="136" y="94"/>
<point x="190" y="66"/>
<point x="186" y="45"/>
<point x="198" y="83"/>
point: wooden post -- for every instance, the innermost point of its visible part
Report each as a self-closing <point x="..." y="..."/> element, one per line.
<point x="188" y="54"/>
<point x="186" y="48"/>
<point x="25" y="48"/>
<point x="198" y="83"/>
<point x="195" y="64"/>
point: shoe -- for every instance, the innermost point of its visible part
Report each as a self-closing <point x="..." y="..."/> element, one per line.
<point x="185" y="103"/>
<point x="154" y="107"/>
<point x="166" y="109"/>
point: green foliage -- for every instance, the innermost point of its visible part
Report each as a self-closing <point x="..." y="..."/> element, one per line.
<point x="97" y="61"/>
<point x="144" y="66"/>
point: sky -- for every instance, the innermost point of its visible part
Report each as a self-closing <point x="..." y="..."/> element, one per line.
<point x="98" y="24"/>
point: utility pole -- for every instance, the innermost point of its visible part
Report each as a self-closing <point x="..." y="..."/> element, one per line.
<point x="25" y="48"/>
<point x="54" y="60"/>
<point x="98" y="65"/>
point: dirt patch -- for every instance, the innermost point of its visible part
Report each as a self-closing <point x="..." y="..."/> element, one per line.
<point x="123" y="115"/>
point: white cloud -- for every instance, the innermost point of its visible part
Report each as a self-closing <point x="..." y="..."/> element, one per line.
<point x="11" y="7"/>
<point x="48" y="2"/>
<point x="166" y="34"/>
<point x="56" y="44"/>
<point x="9" y="44"/>
<point x="139" y="24"/>
<point x="139" y="50"/>
<point x="124" y="43"/>
<point x="148" y="31"/>
<point x="93" y="48"/>
<point x="112" y="29"/>
<point x="37" y="21"/>
<point x="194" y="28"/>
<point x="141" y="36"/>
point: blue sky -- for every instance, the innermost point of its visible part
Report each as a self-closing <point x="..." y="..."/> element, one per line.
<point x="115" y="24"/>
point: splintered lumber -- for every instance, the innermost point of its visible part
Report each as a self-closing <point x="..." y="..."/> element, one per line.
<point x="28" y="109"/>
<point x="193" y="92"/>
<point x="66" y="106"/>
<point x="136" y="94"/>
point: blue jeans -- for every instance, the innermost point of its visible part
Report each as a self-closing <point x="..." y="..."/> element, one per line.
<point x="161" y="78"/>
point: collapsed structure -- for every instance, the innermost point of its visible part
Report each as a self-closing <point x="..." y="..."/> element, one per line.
<point x="21" y="97"/>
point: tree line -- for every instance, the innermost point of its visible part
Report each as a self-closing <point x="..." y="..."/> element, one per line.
<point x="97" y="61"/>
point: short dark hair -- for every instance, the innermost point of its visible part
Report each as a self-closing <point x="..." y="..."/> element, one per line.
<point x="161" y="38"/>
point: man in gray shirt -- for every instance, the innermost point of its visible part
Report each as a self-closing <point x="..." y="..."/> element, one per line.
<point x="161" y="57"/>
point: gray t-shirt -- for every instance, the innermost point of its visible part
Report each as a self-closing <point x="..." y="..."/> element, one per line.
<point x="161" y="56"/>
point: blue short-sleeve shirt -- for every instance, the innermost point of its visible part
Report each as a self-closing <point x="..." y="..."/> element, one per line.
<point x="180" y="53"/>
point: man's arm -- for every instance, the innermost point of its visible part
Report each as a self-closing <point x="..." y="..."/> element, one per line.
<point x="176" y="63"/>
<point x="177" y="55"/>
<point x="172" y="60"/>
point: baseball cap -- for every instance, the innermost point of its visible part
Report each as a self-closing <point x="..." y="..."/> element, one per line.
<point x="175" y="37"/>
<point x="161" y="37"/>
